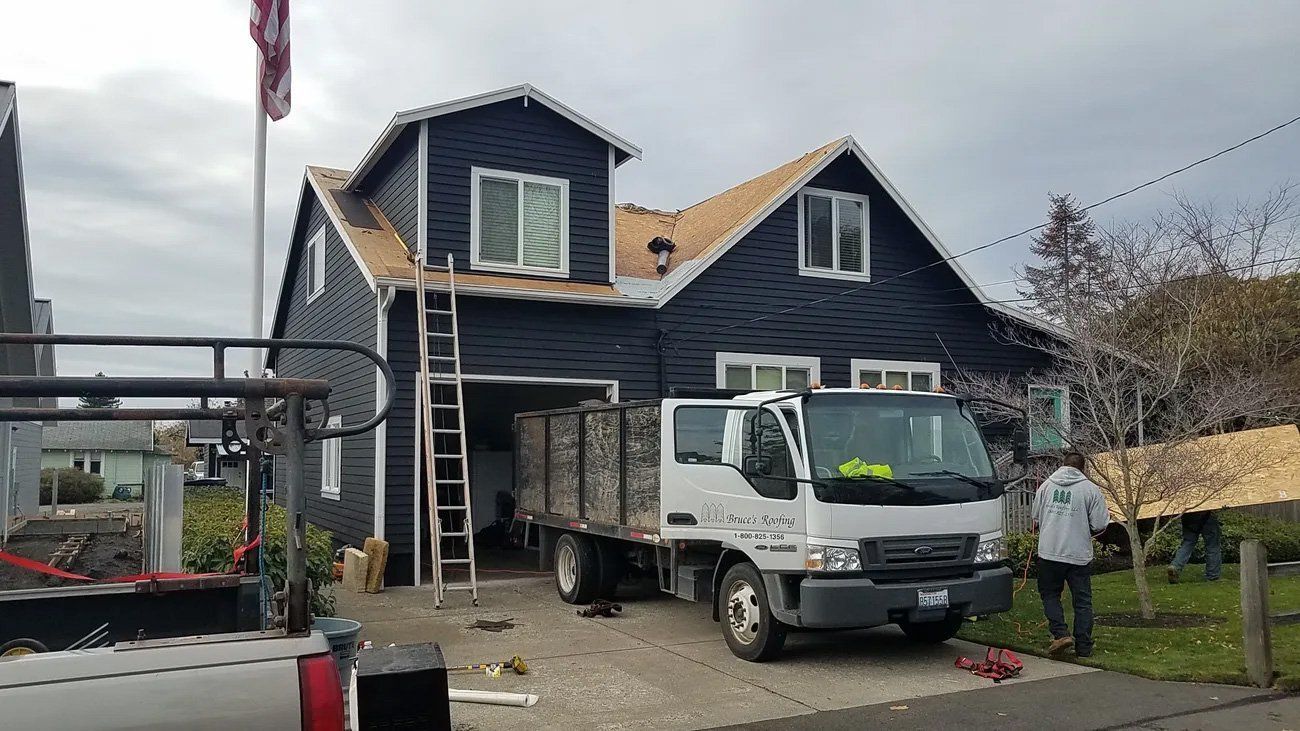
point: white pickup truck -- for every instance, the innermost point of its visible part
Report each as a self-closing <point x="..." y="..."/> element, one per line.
<point x="828" y="508"/>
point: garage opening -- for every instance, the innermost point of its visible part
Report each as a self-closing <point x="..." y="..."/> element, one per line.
<point x="490" y="409"/>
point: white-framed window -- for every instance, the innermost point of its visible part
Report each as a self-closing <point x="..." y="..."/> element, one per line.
<point x="834" y="234"/>
<point x="316" y="265"/>
<point x="908" y="375"/>
<point x="1049" y="416"/>
<point x="331" y="462"/>
<point x="92" y="462"/>
<point x="755" y="372"/>
<point x="519" y="222"/>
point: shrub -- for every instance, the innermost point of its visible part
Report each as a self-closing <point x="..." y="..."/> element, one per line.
<point x="75" y="486"/>
<point x="212" y="531"/>
<point x="1022" y="547"/>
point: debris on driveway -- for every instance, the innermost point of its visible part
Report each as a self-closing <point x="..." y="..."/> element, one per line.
<point x="600" y="608"/>
<point x="493" y="625"/>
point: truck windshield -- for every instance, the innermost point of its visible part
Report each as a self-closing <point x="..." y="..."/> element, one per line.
<point x="897" y="449"/>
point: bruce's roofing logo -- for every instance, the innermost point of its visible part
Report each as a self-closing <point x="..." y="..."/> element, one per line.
<point x="713" y="513"/>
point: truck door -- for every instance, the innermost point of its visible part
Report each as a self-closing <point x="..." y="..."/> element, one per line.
<point x="725" y="480"/>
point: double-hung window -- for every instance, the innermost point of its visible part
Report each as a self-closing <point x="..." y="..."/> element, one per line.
<point x="834" y="239"/>
<point x="753" y="372"/>
<point x="519" y="222"/>
<point x="316" y="264"/>
<point x="92" y="462"/>
<point x="331" y="463"/>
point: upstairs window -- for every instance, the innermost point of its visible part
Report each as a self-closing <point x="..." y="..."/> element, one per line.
<point x="316" y="265"/>
<point x="755" y="372"/>
<point x="907" y="375"/>
<point x="519" y="222"/>
<point x="833" y="234"/>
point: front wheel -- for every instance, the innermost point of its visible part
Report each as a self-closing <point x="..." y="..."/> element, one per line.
<point x="749" y="628"/>
<point x="932" y="633"/>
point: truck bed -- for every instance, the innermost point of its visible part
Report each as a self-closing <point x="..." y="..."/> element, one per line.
<point x="598" y="463"/>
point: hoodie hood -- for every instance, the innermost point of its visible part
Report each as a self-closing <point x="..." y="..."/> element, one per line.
<point x="1066" y="476"/>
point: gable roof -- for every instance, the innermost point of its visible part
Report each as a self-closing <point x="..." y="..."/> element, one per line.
<point x="126" y="436"/>
<point x="17" y="298"/>
<point x="527" y="92"/>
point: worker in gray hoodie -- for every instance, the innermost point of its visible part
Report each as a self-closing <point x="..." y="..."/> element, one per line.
<point x="1069" y="511"/>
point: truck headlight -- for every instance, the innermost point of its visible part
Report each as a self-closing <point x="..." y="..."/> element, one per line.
<point x="991" y="551"/>
<point x="832" y="558"/>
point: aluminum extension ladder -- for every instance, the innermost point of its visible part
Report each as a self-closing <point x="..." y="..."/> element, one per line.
<point x="442" y="424"/>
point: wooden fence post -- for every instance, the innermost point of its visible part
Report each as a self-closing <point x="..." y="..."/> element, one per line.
<point x="1255" y="628"/>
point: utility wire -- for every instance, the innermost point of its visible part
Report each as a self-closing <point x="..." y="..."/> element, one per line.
<point x="995" y="242"/>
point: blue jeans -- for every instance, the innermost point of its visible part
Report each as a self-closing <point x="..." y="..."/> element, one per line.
<point x="1213" y="550"/>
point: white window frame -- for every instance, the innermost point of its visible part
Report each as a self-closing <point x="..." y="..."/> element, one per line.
<point x="331" y="463"/>
<point x="834" y="272"/>
<point x="316" y="252"/>
<point x="86" y="457"/>
<point x="857" y="365"/>
<point x="812" y="363"/>
<point x="475" y="225"/>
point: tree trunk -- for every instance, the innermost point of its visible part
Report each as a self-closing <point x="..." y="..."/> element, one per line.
<point x="1139" y="552"/>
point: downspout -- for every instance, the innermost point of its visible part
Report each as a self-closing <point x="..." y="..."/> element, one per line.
<point x="661" y="345"/>
<point x="386" y="297"/>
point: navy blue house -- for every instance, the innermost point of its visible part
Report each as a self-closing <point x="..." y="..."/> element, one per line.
<point x="562" y="297"/>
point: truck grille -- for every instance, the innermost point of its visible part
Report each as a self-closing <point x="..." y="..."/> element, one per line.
<point x="919" y="557"/>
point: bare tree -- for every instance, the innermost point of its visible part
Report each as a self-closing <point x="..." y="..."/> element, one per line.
<point x="1145" y="385"/>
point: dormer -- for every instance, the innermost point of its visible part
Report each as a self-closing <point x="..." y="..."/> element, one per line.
<point x="511" y="182"/>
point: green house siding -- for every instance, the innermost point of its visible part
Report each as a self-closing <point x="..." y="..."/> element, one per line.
<point x="118" y="468"/>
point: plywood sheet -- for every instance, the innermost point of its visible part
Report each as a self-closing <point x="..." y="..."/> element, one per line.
<point x="1278" y="481"/>
<point x="642" y="437"/>
<point x="601" y="465"/>
<point x="563" y="464"/>
<point x="530" y="467"/>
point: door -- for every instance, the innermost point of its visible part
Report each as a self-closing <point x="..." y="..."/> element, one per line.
<point x="1049" y="417"/>
<point x="729" y="476"/>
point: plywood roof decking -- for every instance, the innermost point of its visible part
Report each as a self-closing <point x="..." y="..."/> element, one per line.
<point x="699" y="230"/>
<point x="383" y="253"/>
<point x="1278" y="481"/>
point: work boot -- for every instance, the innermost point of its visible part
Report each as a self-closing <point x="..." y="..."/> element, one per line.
<point x="1060" y="644"/>
<point x="1080" y="651"/>
<point x="1172" y="573"/>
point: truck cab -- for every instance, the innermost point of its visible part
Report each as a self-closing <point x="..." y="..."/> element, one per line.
<point x="832" y="508"/>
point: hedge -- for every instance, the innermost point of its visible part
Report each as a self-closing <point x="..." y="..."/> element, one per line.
<point x="1024" y="546"/>
<point x="75" y="486"/>
<point x="213" y="518"/>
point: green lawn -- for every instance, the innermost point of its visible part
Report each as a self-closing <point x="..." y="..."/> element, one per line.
<point x="1208" y="653"/>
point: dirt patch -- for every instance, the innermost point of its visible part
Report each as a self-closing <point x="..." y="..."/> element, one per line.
<point x="1160" y="621"/>
<point x="106" y="555"/>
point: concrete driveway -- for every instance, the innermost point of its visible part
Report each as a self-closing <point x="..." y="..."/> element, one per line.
<point x="661" y="664"/>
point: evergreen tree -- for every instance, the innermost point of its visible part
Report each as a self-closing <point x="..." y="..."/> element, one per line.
<point x="99" y="402"/>
<point x="1074" y="264"/>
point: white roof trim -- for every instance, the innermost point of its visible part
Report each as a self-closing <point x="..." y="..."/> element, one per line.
<point x="534" y="295"/>
<point x="338" y="226"/>
<point x="526" y="91"/>
<point x="850" y="145"/>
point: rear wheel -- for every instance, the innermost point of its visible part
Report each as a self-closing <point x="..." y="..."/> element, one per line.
<point x="22" y="646"/>
<point x="749" y="628"/>
<point x="932" y="632"/>
<point x="577" y="569"/>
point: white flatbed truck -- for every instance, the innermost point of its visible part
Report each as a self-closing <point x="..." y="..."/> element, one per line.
<point x="826" y="508"/>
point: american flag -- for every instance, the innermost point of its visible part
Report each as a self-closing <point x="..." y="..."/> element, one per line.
<point x="269" y="26"/>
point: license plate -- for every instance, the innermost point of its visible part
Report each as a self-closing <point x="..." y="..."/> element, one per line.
<point x="932" y="599"/>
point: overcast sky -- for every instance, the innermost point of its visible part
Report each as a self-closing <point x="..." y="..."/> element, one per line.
<point x="137" y="119"/>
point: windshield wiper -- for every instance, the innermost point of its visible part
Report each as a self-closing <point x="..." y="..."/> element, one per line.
<point x="977" y="482"/>
<point x="875" y="478"/>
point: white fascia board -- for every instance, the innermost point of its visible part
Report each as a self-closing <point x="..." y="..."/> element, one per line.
<point x="338" y="226"/>
<point x="535" y="295"/>
<point x="525" y="91"/>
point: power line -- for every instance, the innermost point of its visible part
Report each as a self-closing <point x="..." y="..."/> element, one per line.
<point x="995" y="242"/>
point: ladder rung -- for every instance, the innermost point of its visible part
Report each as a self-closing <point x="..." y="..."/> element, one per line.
<point x="446" y="456"/>
<point x="448" y="482"/>
<point x="449" y="380"/>
<point x="436" y="268"/>
<point x="441" y="335"/>
<point x="451" y="507"/>
<point x="439" y="312"/>
<point x="455" y="560"/>
<point x="444" y="406"/>
<point x="458" y="587"/>
<point x="446" y="431"/>
<point x="451" y="534"/>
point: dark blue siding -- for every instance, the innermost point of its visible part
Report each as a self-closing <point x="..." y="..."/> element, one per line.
<point x="345" y="311"/>
<point x="394" y="185"/>
<point x="535" y="140"/>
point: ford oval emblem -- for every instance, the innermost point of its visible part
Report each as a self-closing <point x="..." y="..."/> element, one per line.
<point x="923" y="550"/>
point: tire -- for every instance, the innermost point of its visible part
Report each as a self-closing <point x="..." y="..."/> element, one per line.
<point x="749" y="628"/>
<point x="932" y="633"/>
<point x="22" y="646"/>
<point x="577" y="569"/>
<point x="613" y="568"/>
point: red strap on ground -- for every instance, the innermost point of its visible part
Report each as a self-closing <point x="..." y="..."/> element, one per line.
<point x="998" y="665"/>
<point x="27" y="563"/>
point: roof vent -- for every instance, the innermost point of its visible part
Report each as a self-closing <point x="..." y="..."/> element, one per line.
<point x="663" y="247"/>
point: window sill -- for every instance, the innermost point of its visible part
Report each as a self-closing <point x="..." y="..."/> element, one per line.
<point x="833" y="274"/>
<point x="480" y="266"/>
<point x="338" y="495"/>
<point x="315" y="295"/>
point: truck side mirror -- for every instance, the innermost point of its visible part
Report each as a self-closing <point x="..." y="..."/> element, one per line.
<point x="757" y="465"/>
<point x="1020" y="445"/>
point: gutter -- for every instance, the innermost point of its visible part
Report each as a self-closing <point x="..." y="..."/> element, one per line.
<point x="385" y="303"/>
<point x="533" y="295"/>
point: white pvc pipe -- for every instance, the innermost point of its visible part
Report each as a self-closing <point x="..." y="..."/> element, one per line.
<point x="492" y="697"/>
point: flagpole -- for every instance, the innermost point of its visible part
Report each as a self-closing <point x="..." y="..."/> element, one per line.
<point x="253" y="474"/>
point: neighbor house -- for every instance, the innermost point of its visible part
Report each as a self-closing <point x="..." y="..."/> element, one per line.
<point x="122" y="452"/>
<point x="785" y="280"/>
<point x="20" y="312"/>
<point x="217" y="460"/>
